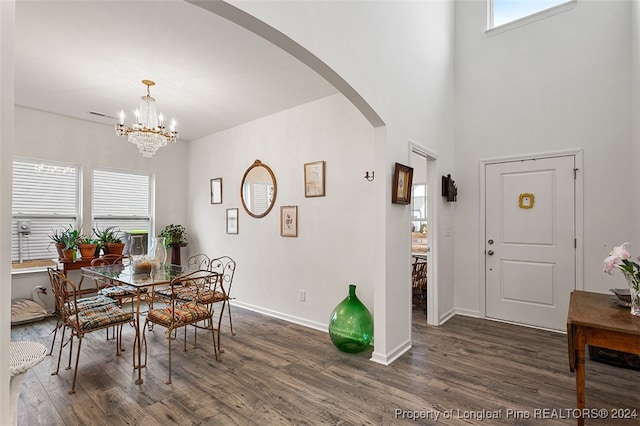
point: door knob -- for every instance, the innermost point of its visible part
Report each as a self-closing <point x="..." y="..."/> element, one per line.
<point x="490" y="252"/>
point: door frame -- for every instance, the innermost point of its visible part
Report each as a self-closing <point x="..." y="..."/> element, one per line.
<point x="433" y="317"/>
<point x="579" y="215"/>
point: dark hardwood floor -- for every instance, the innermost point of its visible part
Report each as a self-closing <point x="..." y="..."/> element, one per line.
<point x="277" y="373"/>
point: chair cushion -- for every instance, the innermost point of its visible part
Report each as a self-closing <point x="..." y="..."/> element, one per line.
<point x="101" y="316"/>
<point x="119" y="290"/>
<point x="91" y="302"/>
<point x="186" y="314"/>
<point x="189" y="294"/>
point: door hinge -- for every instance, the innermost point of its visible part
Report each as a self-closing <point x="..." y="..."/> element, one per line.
<point x="575" y="243"/>
<point x="575" y="174"/>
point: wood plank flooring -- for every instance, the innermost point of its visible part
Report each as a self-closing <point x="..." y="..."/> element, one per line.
<point x="276" y="373"/>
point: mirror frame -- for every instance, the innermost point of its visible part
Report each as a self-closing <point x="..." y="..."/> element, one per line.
<point x="255" y="164"/>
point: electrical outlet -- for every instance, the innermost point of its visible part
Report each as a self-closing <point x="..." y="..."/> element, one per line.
<point x="302" y="295"/>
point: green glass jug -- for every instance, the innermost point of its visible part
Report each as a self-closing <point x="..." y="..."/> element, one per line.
<point x="351" y="324"/>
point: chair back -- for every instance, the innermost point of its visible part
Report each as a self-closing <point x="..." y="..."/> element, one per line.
<point x="111" y="259"/>
<point x="196" y="287"/>
<point x="52" y="280"/>
<point x="419" y="274"/>
<point x="64" y="293"/>
<point x="226" y="267"/>
<point x="198" y="261"/>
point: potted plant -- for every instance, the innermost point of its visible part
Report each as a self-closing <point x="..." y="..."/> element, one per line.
<point x="57" y="237"/>
<point x="87" y="247"/>
<point x="66" y="241"/>
<point x="109" y="239"/>
<point x="175" y="236"/>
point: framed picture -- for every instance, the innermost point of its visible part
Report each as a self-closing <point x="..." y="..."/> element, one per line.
<point x="232" y="221"/>
<point x="216" y="191"/>
<point x="402" y="182"/>
<point x="289" y="221"/>
<point x="314" y="179"/>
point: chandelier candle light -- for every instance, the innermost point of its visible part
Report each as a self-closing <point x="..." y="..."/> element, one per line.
<point x="148" y="131"/>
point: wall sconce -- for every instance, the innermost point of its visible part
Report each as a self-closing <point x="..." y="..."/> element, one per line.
<point x="449" y="188"/>
<point x="368" y="176"/>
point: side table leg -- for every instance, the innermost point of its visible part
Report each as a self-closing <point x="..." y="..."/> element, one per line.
<point x="580" y="343"/>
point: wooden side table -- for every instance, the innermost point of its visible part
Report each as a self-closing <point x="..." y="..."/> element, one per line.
<point x="594" y="319"/>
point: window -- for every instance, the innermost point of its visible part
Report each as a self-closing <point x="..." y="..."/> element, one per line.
<point x="121" y="199"/>
<point x="45" y="198"/>
<point x="419" y="218"/>
<point x="502" y="12"/>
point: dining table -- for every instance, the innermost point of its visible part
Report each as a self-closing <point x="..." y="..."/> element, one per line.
<point x="144" y="283"/>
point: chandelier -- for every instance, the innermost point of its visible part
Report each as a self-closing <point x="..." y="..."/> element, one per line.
<point x="148" y="131"/>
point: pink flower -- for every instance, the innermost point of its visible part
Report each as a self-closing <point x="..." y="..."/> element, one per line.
<point x="616" y="257"/>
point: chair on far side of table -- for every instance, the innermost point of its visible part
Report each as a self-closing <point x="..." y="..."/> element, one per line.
<point x="226" y="267"/>
<point x="198" y="261"/>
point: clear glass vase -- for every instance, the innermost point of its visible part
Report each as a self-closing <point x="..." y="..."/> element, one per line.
<point x="136" y="247"/>
<point x="634" y="291"/>
<point x="157" y="251"/>
<point x="351" y="324"/>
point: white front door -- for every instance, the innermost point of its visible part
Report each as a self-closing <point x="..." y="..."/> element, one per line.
<point x="530" y="240"/>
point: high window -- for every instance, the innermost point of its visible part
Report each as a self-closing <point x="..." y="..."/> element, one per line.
<point x="121" y="199"/>
<point x="502" y="12"/>
<point x="45" y="198"/>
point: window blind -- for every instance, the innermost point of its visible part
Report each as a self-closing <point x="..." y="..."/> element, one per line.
<point x="121" y="199"/>
<point x="45" y="197"/>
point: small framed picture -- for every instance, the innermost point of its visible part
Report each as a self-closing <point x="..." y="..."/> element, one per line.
<point x="289" y="221"/>
<point x="232" y="221"/>
<point x="314" y="179"/>
<point x="402" y="181"/>
<point x="216" y="191"/>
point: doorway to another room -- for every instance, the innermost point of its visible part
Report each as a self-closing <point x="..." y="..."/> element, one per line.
<point x="423" y="285"/>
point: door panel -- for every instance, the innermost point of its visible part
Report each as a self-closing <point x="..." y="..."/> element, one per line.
<point x="530" y="267"/>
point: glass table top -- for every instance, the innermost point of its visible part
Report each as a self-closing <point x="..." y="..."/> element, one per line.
<point x="126" y="275"/>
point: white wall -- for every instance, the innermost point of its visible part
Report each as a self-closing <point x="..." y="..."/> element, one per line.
<point x="49" y="136"/>
<point x="335" y="232"/>
<point x="635" y="111"/>
<point x="559" y="83"/>
<point x="399" y="57"/>
<point x="7" y="28"/>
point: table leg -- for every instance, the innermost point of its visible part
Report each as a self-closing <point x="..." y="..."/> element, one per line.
<point x="137" y="343"/>
<point x="579" y="347"/>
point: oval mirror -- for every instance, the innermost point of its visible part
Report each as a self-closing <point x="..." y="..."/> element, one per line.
<point x="258" y="190"/>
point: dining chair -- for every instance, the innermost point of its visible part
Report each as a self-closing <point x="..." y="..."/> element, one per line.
<point x="419" y="283"/>
<point x="106" y="286"/>
<point x="186" y="305"/>
<point x="86" y="302"/>
<point x="83" y="320"/>
<point x="226" y="267"/>
<point x="198" y="261"/>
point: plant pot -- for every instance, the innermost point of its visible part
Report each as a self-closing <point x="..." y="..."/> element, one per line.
<point x="87" y="251"/>
<point x="60" y="248"/>
<point x="114" y="248"/>
<point x="67" y="255"/>
<point x="175" y="252"/>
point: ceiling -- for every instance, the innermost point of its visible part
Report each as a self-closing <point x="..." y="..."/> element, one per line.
<point x="86" y="58"/>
